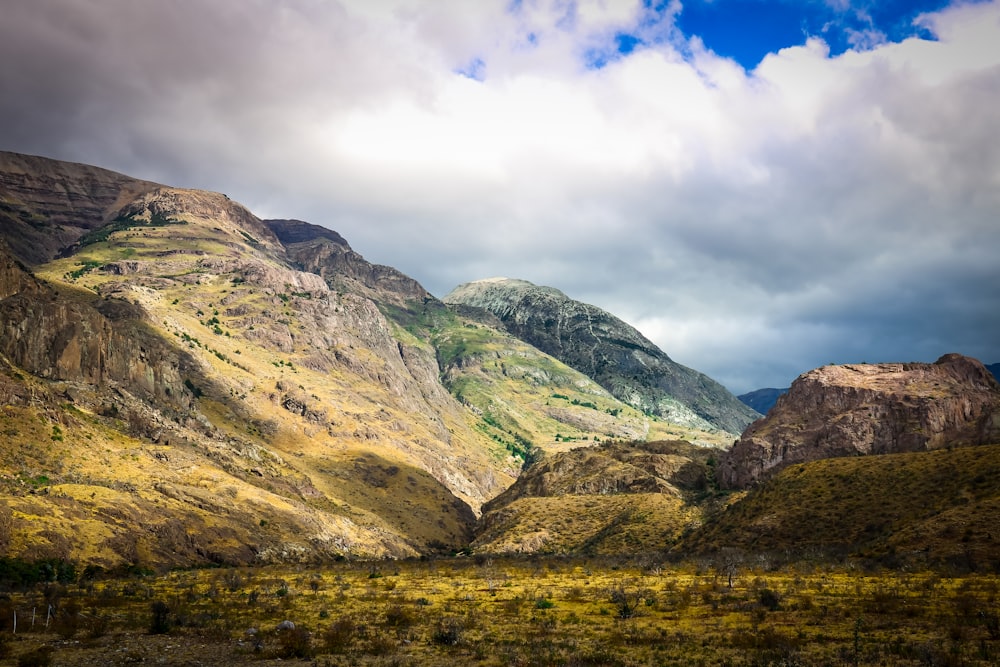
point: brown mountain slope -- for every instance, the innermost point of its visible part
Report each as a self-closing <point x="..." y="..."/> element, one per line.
<point x="868" y="409"/>
<point x="186" y="383"/>
<point x="46" y="205"/>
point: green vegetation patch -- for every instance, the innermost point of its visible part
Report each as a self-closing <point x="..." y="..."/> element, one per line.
<point x="126" y="223"/>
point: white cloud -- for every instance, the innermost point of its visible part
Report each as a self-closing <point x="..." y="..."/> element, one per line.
<point x="755" y="224"/>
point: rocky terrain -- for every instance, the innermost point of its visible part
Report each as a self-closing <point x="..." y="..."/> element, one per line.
<point x="183" y="384"/>
<point x="46" y="205"/>
<point x="860" y="409"/>
<point x="608" y="350"/>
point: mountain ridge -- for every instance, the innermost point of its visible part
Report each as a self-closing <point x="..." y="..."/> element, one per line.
<point x="607" y="349"/>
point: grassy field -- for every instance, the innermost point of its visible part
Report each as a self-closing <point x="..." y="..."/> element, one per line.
<point x="491" y="611"/>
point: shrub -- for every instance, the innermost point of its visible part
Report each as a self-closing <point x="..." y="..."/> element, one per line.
<point x="448" y="632"/>
<point x="769" y="599"/>
<point x="159" y="622"/>
<point x="295" y="643"/>
<point x="337" y="638"/>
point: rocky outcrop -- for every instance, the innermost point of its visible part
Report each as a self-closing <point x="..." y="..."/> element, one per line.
<point x="616" y="498"/>
<point x="93" y="342"/>
<point x="611" y="469"/>
<point x="609" y="351"/>
<point x="324" y="252"/>
<point x="859" y="409"/>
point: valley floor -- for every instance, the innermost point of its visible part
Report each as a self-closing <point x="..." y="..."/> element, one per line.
<point x="495" y="611"/>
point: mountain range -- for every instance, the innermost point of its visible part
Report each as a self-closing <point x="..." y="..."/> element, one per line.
<point x="184" y="383"/>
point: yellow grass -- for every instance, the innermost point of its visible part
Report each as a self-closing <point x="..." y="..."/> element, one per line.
<point x="492" y="611"/>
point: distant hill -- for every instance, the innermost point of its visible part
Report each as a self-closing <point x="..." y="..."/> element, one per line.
<point x="615" y="498"/>
<point x="995" y="369"/>
<point x="608" y="350"/>
<point x="762" y="400"/>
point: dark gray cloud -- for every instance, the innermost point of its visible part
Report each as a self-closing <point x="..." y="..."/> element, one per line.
<point x="818" y="209"/>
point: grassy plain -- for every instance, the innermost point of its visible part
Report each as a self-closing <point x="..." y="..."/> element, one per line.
<point x="495" y="611"/>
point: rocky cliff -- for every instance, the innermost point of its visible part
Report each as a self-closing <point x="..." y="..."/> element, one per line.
<point x="608" y="350"/>
<point x="185" y="383"/>
<point x="859" y="409"/>
<point x="207" y="399"/>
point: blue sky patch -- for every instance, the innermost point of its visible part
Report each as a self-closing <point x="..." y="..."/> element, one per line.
<point x="748" y="30"/>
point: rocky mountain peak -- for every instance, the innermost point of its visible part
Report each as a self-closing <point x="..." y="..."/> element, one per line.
<point x="611" y="352"/>
<point x="857" y="409"/>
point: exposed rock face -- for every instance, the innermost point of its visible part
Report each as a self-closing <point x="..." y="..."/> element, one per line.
<point x="319" y="250"/>
<point x="46" y="205"/>
<point x="192" y="378"/>
<point x="859" y="409"/>
<point x="608" y="350"/>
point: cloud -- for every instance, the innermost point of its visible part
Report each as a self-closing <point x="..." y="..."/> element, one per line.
<point x="754" y="224"/>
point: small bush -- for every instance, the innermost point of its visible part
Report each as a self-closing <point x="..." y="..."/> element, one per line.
<point x="448" y="632"/>
<point x="295" y="643"/>
<point x="338" y="637"/>
<point x="159" y="622"/>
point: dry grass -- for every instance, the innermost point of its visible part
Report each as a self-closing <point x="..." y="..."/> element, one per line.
<point x="491" y="611"/>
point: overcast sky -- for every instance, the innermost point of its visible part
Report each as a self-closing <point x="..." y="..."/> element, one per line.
<point x="759" y="187"/>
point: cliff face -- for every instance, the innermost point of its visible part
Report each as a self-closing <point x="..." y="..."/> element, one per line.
<point x="321" y="251"/>
<point x="609" y="351"/>
<point x="862" y="409"/>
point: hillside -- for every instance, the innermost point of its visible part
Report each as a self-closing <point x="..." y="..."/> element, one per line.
<point x="609" y="351"/>
<point x="918" y="508"/>
<point x="762" y="400"/>
<point x="616" y="498"/>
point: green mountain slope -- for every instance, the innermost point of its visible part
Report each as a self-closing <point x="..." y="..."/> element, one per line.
<point x="609" y="351"/>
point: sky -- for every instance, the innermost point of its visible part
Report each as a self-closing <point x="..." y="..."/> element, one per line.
<point x="760" y="188"/>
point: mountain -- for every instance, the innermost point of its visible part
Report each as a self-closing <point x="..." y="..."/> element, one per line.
<point x="608" y="350"/>
<point x="615" y="498"/>
<point x="184" y="383"/>
<point x="762" y="400"/>
<point x="995" y="369"/>
<point x="868" y="409"/>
